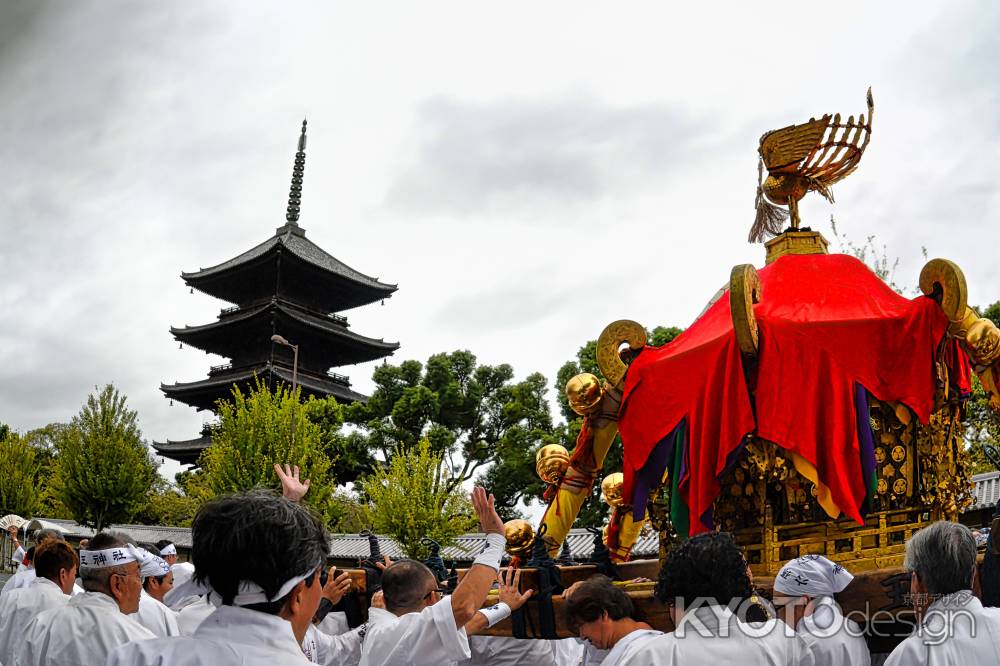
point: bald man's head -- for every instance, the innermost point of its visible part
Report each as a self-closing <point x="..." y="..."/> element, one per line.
<point x="406" y="585"/>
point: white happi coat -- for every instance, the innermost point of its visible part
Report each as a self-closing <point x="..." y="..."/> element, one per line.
<point x="503" y="651"/>
<point x="628" y="645"/>
<point x="955" y="631"/>
<point x="156" y="617"/>
<point x="80" y="633"/>
<point x="576" y="652"/>
<point x="231" y="636"/>
<point x="19" y="607"/>
<point x="190" y="617"/>
<point x="833" y="639"/>
<point x="427" y="638"/>
<point x="21" y="579"/>
<point x="341" y="650"/>
<point x="714" y="635"/>
<point x="335" y="623"/>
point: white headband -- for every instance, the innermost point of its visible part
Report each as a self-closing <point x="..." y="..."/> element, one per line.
<point x="170" y="549"/>
<point x="250" y="593"/>
<point x="811" y="576"/>
<point x="153" y="567"/>
<point x="109" y="557"/>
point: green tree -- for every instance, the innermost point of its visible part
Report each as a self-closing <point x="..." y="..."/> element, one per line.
<point x="982" y="425"/>
<point x="165" y="504"/>
<point x="472" y="415"/>
<point x="45" y="441"/>
<point x="19" y="470"/>
<point x="348" y="452"/>
<point x="255" y="431"/>
<point x="414" y="496"/>
<point x="104" y="469"/>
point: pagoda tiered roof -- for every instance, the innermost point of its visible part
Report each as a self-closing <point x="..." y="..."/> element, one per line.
<point x="296" y="268"/>
<point x="204" y="394"/>
<point x="325" y="340"/>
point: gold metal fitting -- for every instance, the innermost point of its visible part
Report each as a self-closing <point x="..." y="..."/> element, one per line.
<point x="613" y="488"/>
<point x="519" y="535"/>
<point x="609" y="344"/>
<point x="945" y="281"/>
<point x="584" y="394"/>
<point x="551" y="462"/>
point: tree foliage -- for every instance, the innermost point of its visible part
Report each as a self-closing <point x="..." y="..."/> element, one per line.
<point x="471" y="415"/>
<point x="348" y="452"/>
<point x="255" y="431"/>
<point x="19" y="471"/>
<point x="414" y="496"/>
<point x="166" y="504"/>
<point x="982" y="425"/>
<point x="104" y="469"/>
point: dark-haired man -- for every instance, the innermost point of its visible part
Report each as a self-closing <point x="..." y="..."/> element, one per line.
<point x="25" y="569"/>
<point x="420" y="625"/>
<point x="703" y="581"/>
<point x="604" y="616"/>
<point x="955" y="629"/>
<point x="55" y="566"/>
<point x="90" y="625"/>
<point x="259" y="557"/>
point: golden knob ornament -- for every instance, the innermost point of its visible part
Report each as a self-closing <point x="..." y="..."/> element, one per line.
<point x="551" y="462"/>
<point x="584" y="394"/>
<point x="519" y="535"/>
<point x="613" y="489"/>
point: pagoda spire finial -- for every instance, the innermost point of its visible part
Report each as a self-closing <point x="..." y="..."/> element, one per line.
<point x="298" y="170"/>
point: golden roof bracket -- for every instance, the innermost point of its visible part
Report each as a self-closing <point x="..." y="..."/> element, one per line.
<point x="744" y="291"/>
<point x="944" y="281"/>
<point x="609" y="344"/>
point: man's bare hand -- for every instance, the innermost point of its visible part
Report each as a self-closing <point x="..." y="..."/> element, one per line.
<point x="384" y="564"/>
<point x="291" y="488"/>
<point x="489" y="520"/>
<point x="13" y="532"/>
<point x="510" y="584"/>
<point x="337" y="586"/>
<point x="378" y="600"/>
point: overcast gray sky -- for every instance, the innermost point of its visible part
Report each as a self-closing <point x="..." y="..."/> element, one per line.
<point x="526" y="172"/>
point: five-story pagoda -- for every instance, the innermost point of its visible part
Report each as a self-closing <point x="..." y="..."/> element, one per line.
<point x="285" y="288"/>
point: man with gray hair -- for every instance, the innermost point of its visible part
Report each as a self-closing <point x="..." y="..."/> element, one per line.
<point x="90" y="625"/>
<point x="954" y="629"/>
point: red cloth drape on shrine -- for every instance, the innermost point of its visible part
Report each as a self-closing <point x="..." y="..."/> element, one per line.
<point x="826" y="322"/>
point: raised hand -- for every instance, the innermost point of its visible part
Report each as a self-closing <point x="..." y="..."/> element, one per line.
<point x="489" y="520"/>
<point x="291" y="488"/>
<point x="510" y="583"/>
<point x="384" y="564"/>
<point x="337" y="587"/>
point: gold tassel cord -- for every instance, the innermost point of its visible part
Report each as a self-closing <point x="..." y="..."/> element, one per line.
<point x="770" y="219"/>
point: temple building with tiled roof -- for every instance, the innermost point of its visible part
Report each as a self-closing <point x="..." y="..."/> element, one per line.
<point x="286" y="288"/>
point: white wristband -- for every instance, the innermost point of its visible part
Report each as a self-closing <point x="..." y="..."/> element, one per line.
<point x="491" y="554"/>
<point x="496" y="613"/>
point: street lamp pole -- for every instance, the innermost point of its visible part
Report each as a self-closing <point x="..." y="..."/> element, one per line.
<point x="277" y="339"/>
<point x="295" y="358"/>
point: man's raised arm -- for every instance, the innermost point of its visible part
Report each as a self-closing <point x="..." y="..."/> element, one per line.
<point x="471" y="592"/>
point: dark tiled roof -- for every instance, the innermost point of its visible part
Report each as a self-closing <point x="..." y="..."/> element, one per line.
<point x="225" y="379"/>
<point x="181" y="536"/>
<point x="324" y="324"/>
<point x="293" y="238"/>
<point x="353" y="546"/>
